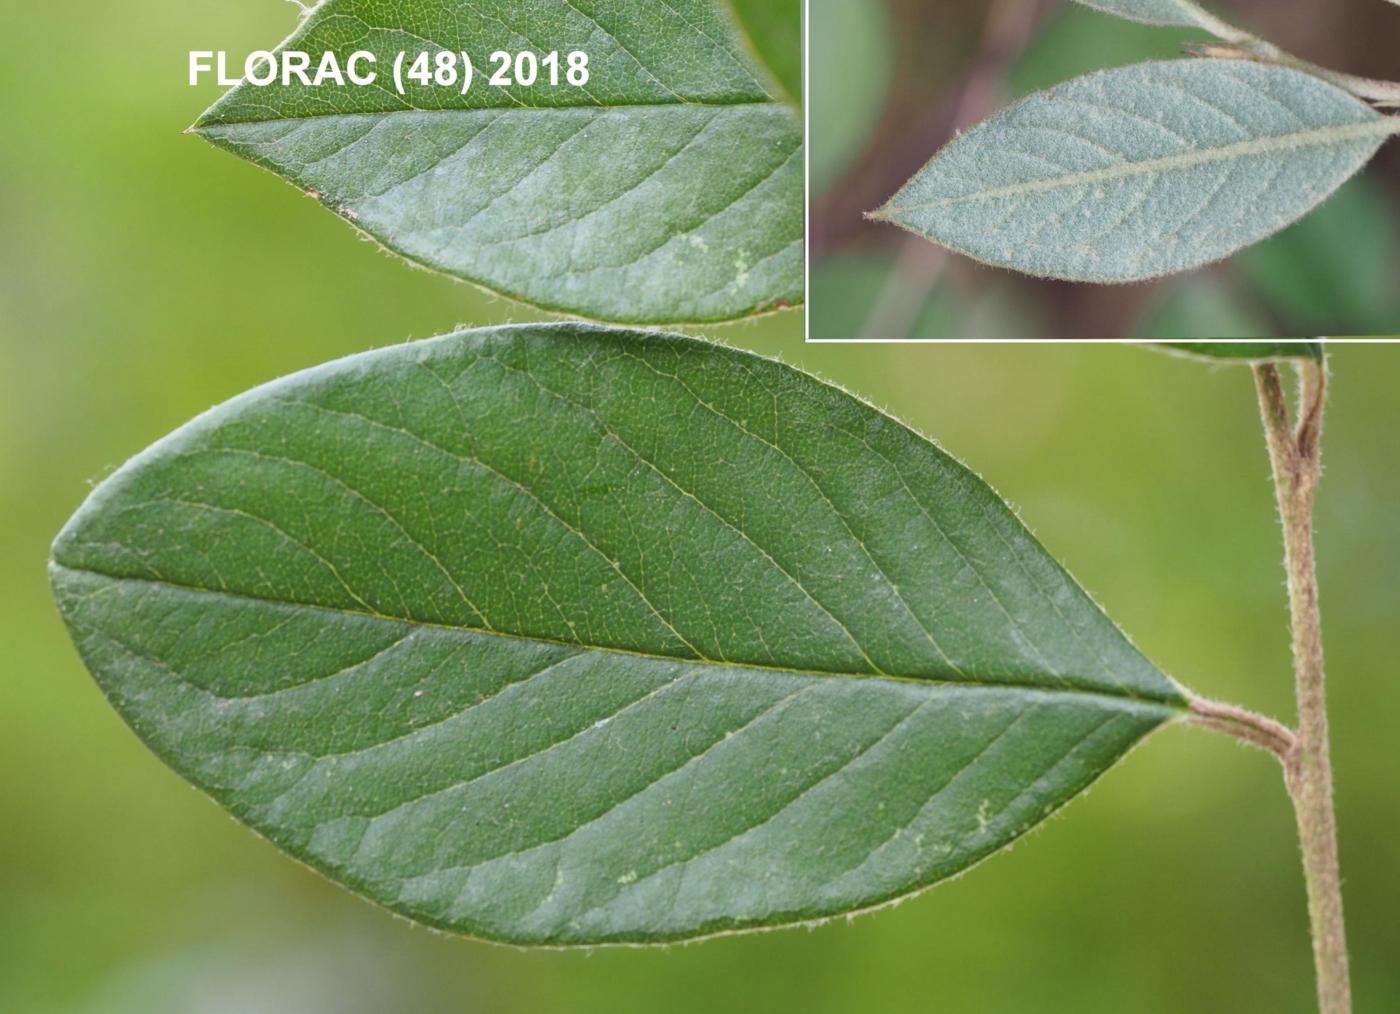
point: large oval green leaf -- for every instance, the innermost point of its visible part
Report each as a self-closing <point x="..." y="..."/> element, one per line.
<point x="668" y="188"/>
<point x="1142" y="171"/>
<point x="561" y="635"/>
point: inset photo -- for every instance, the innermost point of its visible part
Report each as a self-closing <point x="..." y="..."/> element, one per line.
<point x="1137" y="170"/>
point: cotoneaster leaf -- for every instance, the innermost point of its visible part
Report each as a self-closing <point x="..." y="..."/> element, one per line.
<point x="1248" y="351"/>
<point x="562" y="635"/>
<point x="774" y="29"/>
<point x="668" y="188"/>
<point x="1178" y="13"/>
<point x="1142" y="171"/>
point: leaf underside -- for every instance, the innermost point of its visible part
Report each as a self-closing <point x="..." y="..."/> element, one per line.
<point x="563" y="635"/>
<point x="1142" y="171"/>
<point x="1248" y="351"/>
<point x="1177" y="13"/>
<point x="667" y="189"/>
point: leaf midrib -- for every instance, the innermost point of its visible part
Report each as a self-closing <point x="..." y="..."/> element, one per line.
<point x="1382" y="127"/>
<point x="1164" y="700"/>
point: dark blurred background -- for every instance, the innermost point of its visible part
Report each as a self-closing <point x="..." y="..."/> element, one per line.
<point x="892" y="80"/>
<point x="145" y="276"/>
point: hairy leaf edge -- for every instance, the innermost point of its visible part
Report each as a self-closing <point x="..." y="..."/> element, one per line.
<point x="362" y="889"/>
<point x="758" y="312"/>
<point x="1199" y="18"/>
<point x="764" y="75"/>
<point x="885" y="212"/>
<point x="1170" y="711"/>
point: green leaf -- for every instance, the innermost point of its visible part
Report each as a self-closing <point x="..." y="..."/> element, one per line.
<point x="562" y="635"/>
<point x="1142" y="171"/>
<point x="1181" y="13"/>
<point x="1254" y="351"/>
<point x="668" y="188"/>
<point x="774" y="30"/>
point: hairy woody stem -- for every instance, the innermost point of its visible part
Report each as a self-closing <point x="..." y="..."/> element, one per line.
<point x="1241" y="45"/>
<point x="1247" y="726"/>
<point x="1296" y="457"/>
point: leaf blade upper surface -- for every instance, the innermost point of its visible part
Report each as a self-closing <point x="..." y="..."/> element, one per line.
<point x="668" y="189"/>
<point x="1141" y="171"/>
<point x="569" y="636"/>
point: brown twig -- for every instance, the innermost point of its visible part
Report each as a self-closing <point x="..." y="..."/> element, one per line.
<point x="1296" y="456"/>
<point x="1247" y="726"/>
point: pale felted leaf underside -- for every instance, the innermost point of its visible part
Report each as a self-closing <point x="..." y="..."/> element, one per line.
<point x="1142" y="171"/>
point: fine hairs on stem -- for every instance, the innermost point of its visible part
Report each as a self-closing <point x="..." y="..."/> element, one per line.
<point x="1295" y="453"/>
<point x="1297" y="466"/>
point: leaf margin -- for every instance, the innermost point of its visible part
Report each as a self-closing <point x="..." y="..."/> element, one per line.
<point x="1179" y="707"/>
<point x="1388" y="126"/>
<point x="1242" y="351"/>
<point x="766" y="77"/>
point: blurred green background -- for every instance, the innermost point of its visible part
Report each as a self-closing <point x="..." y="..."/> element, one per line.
<point x="891" y="82"/>
<point x="145" y="276"/>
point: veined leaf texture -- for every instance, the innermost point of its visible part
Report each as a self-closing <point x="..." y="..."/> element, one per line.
<point x="666" y="189"/>
<point x="1141" y="171"/>
<point x="564" y="635"/>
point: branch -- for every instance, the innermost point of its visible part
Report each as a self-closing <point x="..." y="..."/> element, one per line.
<point x="1256" y="730"/>
<point x="1297" y="466"/>
<point x="1242" y="45"/>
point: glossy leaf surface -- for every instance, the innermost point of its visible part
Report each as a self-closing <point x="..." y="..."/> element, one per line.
<point x="562" y="635"/>
<point x="1142" y="171"/>
<point x="666" y="189"/>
